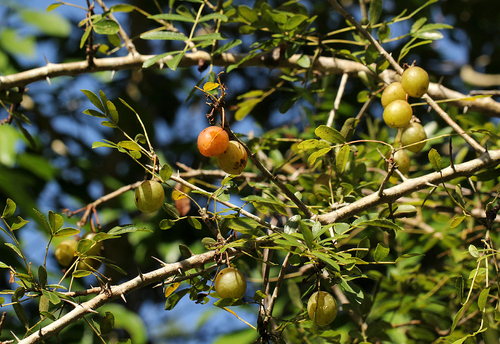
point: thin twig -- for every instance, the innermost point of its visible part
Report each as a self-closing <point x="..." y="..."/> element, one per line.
<point x="336" y="104"/>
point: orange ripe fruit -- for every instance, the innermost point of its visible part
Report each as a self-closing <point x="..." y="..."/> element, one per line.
<point x="213" y="141"/>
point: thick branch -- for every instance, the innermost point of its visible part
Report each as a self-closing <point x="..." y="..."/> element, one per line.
<point x="115" y="292"/>
<point x="491" y="158"/>
<point x="323" y="64"/>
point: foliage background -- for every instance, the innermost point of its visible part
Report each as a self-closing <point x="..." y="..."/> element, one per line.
<point x="64" y="172"/>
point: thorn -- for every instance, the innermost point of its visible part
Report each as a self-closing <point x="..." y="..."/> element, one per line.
<point x="12" y="333"/>
<point x="112" y="74"/>
<point x="123" y="297"/>
<point x="140" y="274"/>
<point x="46" y="59"/>
<point x="160" y="261"/>
<point x="48" y="80"/>
<point x="161" y="64"/>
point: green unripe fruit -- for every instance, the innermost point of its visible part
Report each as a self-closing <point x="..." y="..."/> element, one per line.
<point x="65" y="252"/>
<point x="398" y="114"/>
<point x="402" y="160"/>
<point x="415" y="81"/>
<point x="413" y="133"/>
<point x="234" y="159"/>
<point x="230" y="283"/>
<point x="393" y="92"/>
<point x="322" y="308"/>
<point x="90" y="264"/>
<point x="149" y="196"/>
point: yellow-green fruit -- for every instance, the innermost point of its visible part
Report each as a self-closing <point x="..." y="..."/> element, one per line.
<point x="402" y="160"/>
<point x="149" y="196"/>
<point x="393" y="92"/>
<point x="398" y="114"/>
<point x="234" y="159"/>
<point x="413" y="133"/>
<point x="230" y="283"/>
<point x="90" y="264"/>
<point x="65" y="252"/>
<point x="415" y="81"/>
<point x="322" y="308"/>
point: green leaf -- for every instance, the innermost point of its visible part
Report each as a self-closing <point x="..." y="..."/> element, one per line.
<point x="85" y="36"/>
<point x="118" y="230"/>
<point x="329" y="134"/>
<point x="94" y="99"/>
<point x="342" y="158"/>
<point x="295" y="21"/>
<point x="52" y="297"/>
<point x="194" y="222"/>
<point x="14" y="248"/>
<point x="102" y="144"/>
<point x="228" y="46"/>
<point x="94" y="113"/>
<point x="431" y="35"/>
<point x="245" y="225"/>
<point x="292" y="224"/>
<point x="52" y="7"/>
<point x="210" y="36"/>
<point x="304" y="61"/>
<point x="371" y="54"/>
<point x="81" y="273"/>
<point x="107" y="323"/>
<point x="247" y="13"/>
<point x="384" y="32"/>
<point x="213" y="16"/>
<point x="245" y="107"/>
<point x="375" y="11"/>
<point x="56" y="221"/>
<point x="166" y="172"/>
<point x="314" y="156"/>
<point x="456" y="220"/>
<point x="326" y="259"/>
<point x="174" y="299"/>
<point x="66" y="232"/>
<point x="152" y="60"/>
<point x="3" y="265"/>
<point x="166" y="224"/>
<point x="172" y="17"/>
<point x="459" y="287"/>
<point x="130" y="145"/>
<point x="122" y="8"/>
<point x="174" y="62"/>
<point x="473" y="251"/>
<point x="165" y="35"/>
<point x="42" y="276"/>
<point x="312" y="144"/>
<point x="435" y="159"/>
<point x="483" y="297"/>
<point x="21" y="314"/>
<point x="113" y="113"/>
<point x="106" y="27"/>
<point x="418" y="24"/>
<point x="381" y="251"/>
<point x="51" y="24"/>
<point x="44" y="221"/>
<point x="364" y="243"/>
<point x="10" y="208"/>
<point x="108" y="124"/>
<point x="307" y="234"/>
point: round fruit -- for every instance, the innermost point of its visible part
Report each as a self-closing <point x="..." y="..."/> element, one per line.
<point x="90" y="264"/>
<point x="393" y="92"/>
<point x="398" y="114"/>
<point x="213" y="141"/>
<point x="402" y="160"/>
<point x="234" y="159"/>
<point x="230" y="283"/>
<point x="65" y="252"/>
<point x="415" y="81"/>
<point x="322" y="308"/>
<point x="149" y="196"/>
<point x="413" y="133"/>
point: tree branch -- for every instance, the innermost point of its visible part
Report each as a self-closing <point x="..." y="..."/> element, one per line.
<point x="323" y="64"/>
<point x="490" y="158"/>
<point x="115" y="292"/>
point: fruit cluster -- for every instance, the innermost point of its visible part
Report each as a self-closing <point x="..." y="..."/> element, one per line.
<point x="231" y="155"/>
<point x="67" y="249"/>
<point x="398" y="113"/>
